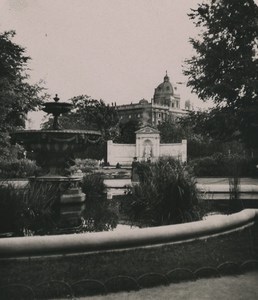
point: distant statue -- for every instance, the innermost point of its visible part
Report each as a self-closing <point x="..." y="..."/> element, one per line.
<point x="147" y="152"/>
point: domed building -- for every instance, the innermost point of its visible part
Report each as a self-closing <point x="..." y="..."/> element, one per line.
<point x="165" y="95"/>
<point x="165" y="105"/>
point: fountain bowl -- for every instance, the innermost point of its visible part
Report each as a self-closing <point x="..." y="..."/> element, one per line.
<point x="58" y="141"/>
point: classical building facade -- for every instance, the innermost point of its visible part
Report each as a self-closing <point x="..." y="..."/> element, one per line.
<point x="165" y="105"/>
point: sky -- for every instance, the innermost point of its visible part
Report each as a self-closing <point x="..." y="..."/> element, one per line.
<point x="115" y="50"/>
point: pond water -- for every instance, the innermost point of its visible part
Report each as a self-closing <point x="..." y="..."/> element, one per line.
<point x="98" y="214"/>
<point x="106" y="213"/>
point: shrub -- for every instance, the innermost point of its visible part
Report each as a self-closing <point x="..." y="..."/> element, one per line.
<point x="85" y="165"/>
<point x="40" y="201"/>
<point x="11" y="209"/>
<point x="166" y="194"/>
<point x="223" y="165"/>
<point x="18" y="168"/>
<point x="93" y="185"/>
<point x="30" y="210"/>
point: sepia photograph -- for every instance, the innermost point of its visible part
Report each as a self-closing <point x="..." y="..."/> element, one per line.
<point x="128" y="149"/>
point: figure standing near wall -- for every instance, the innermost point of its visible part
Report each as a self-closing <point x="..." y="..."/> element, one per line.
<point x="134" y="176"/>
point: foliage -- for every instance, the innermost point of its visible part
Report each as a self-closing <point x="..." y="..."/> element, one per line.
<point x="94" y="152"/>
<point x="92" y="185"/>
<point x="17" y="95"/>
<point x="224" y="67"/>
<point x="171" y="132"/>
<point x="213" y="125"/>
<point x="86" y="165"/>
<point x="166" y="194"/>
<point x="28" y="210"/>
<point x="127" y="132"/>
<point x="223" y="165"/>
<point x="99" y="214"/>
<point x="89" y="114"/>
<point x="11" y="209"/>
<point x="40" y="202"/>
<point x="189" y="127"/>
<point x="18" y="168"/>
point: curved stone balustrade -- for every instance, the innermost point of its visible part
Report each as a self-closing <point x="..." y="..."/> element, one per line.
<point x="90" y="242"/>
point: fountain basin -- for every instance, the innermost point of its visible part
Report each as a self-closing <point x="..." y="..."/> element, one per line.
<point x="56" y="140"/>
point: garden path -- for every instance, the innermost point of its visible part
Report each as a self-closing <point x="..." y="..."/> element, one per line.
<point x="237" y="287"/>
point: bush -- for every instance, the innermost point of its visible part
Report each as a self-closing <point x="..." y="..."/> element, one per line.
<point x="93" y="184"/>
<point x="41" y="206"/>
<point x="18" y="168"/>
<point x="166" y="194"/>
<point x="30" y="210"/>
<point x="223" y="165"/>
<point x="11" y="209"/>
<point x="85" y="165"/>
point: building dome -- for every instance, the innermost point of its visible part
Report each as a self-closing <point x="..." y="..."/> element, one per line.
<point x="165" y="88"/>
<point x="143" y="102"/>
<point x="164" y="94"/>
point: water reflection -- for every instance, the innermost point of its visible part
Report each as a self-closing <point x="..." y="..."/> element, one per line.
<point x="100" y="214"/>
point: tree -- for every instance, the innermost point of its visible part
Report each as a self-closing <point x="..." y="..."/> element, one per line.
<point x="225" y="66"/>
<point x="171" y="132"/>
<point x="127" y="131"/>
<point x="17" y="95"/>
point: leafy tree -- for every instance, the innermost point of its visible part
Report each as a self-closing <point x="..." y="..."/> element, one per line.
<point x="127" y="131"/>
<point x="224" y="67"/>
<point x="171" y="132"/>
<point x="17" y="95"/>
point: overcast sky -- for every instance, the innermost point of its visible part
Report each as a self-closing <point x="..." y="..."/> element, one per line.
<point x="116" y="50"/>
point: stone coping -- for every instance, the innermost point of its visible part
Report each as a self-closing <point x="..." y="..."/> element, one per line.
<point x="112" y="241"/>
<point x="203" y="187"/>
<point x="222" y="188"/>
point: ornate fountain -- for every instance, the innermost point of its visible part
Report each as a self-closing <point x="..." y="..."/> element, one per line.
<point x="55" y="150"/>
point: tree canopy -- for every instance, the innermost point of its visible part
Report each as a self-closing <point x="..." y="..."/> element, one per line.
<point x="127" y="131"/>
<point x="225" y="66"/>
<point x="17" y="95"/>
